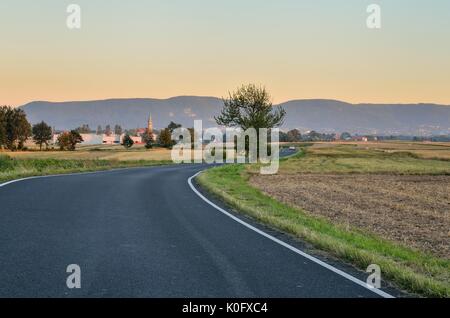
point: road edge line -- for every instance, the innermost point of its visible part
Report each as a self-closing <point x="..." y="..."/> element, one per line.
<point x="72" y="174"/>
<point x="286" y="245"/>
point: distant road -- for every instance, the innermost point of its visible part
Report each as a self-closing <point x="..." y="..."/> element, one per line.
<point x="143" y="233"/>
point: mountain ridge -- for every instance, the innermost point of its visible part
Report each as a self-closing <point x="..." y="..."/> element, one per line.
<point x="326" y="115"/>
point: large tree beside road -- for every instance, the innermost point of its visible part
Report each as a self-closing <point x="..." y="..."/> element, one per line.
<point x="250" y="106"/>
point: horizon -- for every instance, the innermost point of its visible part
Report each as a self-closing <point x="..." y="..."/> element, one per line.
<point x="216" y="97"/>
<point x="297" y="49"/>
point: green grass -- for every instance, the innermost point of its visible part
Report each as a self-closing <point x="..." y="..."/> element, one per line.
<point x="410" y="269"/>
<point x="11" y="168"/>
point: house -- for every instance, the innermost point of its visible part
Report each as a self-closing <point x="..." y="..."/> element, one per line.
<point x="111" y="139"/>
<point x="136" y="139"/>
<point x="91" y="139"/>
<point x="360" y="138"/>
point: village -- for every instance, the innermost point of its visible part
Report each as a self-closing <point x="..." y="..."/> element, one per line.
<point x="112" y="137"/>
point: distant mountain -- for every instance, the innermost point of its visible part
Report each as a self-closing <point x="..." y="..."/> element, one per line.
<point x="129" y="113"/>
<point x="331" y="116"/>
<point x="316" y="114"/>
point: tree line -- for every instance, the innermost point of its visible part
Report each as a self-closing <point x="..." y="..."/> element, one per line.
<point x="15" y="130"/>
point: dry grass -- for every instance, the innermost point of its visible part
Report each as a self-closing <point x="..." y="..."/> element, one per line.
<point x="411" y="210"/>
<point x="101" y="152"/>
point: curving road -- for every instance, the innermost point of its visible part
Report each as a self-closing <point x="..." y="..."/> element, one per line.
<point x="144" y="233"/>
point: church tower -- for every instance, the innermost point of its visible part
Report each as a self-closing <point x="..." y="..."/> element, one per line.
<point x="150" y="125"/>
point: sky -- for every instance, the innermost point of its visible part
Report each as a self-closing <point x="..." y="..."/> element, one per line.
<point x="298" y="49"/>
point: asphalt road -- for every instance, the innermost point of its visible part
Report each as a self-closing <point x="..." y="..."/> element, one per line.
<point x="143" y="233"/>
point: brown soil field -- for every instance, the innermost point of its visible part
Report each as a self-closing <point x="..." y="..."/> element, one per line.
<point x="412" y="210"/>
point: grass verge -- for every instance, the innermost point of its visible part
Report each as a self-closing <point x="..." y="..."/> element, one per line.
<point x="412" y="270"/>
<point x="11" y="168"/>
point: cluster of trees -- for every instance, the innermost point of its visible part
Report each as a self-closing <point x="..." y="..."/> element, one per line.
<point x="316" y="136"/>
<point x="84" y="129"/>
<point x="14" y="128"/>
<point x="164" y="138"/>
<point x="291" y="136"/>
<point x="68" y="140"/>
<point x="118" y="130"/>
<point x="165" y="135"/>
<point x="295" y="136"/>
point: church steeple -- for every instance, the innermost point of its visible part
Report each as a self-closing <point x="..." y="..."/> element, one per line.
<point x="150" y="125"/>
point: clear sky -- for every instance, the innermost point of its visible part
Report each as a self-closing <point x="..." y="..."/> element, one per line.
<point x="162" y="48"/>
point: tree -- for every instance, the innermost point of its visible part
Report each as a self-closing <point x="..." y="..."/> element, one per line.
<point x="42" y="134"/>
<point x="294" y="135"/>
<point x="108" y="131"/>
<point x="99" y="130"/>
<point x="84" y="129"/>
<point x="118" y="130"/>
<point x="250" y="106"/>
<point x="148" y="139"/>
<point x="69" y="140"/>
<point x="346" y="136"/>
<point x="2" y="126"/>
<point x="127" y="142"/>
<point x="14" y="128"/>
<point x="165" y="138"/>
<point x="172" y="126"/>
<point x="283" y="137"/>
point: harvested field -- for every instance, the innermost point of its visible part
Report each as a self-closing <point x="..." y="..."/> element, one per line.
<point x="412" y="210"/>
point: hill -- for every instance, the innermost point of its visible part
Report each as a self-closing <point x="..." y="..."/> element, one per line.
<point x="316" y="114"/>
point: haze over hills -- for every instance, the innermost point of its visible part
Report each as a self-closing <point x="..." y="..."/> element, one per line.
<point x="315" y="114"/>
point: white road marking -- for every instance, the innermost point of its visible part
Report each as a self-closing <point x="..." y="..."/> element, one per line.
<point x="71" y="174"/>
<point x="290" y="247"/>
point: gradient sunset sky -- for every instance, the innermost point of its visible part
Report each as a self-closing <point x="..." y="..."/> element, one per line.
<point x="161" y="48"/>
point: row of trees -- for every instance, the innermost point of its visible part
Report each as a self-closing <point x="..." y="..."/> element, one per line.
<point x="118" y="130"/>
<point x="295" y="136"/>
<point x="15" y="130"/>
<point x="85" y="129"/>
